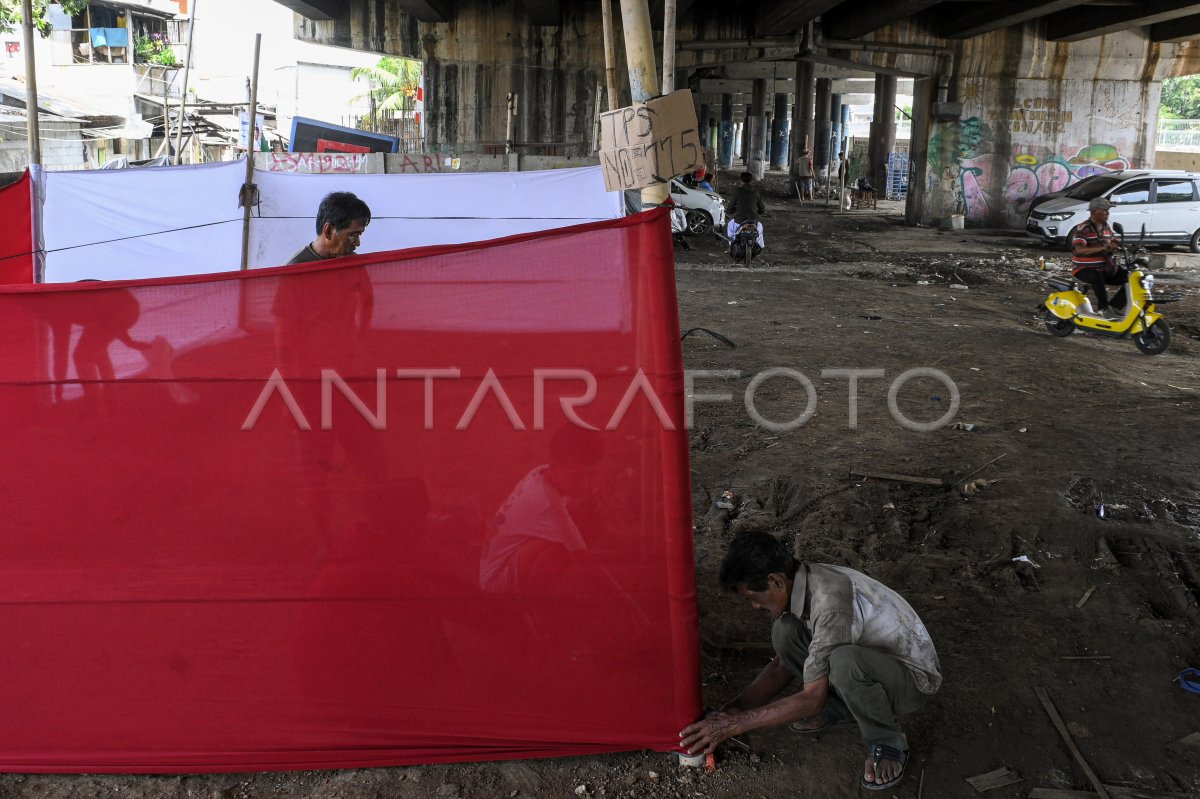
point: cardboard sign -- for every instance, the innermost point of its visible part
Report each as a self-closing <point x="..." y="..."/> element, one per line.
<point x="650" y="142"/>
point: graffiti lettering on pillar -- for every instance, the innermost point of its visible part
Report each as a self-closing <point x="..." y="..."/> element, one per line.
<point x="1032" y="173"/>
<point x="318" y="163"/>
<point x="419" y="164"/>
<point x="1040" y="116"/>
<point x="973" y="177"/>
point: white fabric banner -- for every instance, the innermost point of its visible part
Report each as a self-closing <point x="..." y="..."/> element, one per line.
<point x="119" y="224"/>
<point x="168" y="221"/>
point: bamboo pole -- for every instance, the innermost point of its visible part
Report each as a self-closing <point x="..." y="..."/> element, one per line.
<point x="248" y="188"/>
<point x="187" y="65"/>
<point x="32" y="126"/>
<point x="610" y="54"/>
<point x="643" y="72"/>
<point x="668" y="75"/>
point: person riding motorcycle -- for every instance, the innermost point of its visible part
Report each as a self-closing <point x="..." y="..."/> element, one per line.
<point x="746" y="206"/>
<point x="1092" y="262"/>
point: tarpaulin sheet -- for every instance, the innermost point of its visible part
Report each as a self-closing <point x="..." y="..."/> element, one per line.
<point x="120" y="224"/>
<point x="420" y="210"/>
<point x="171" y="221"/>
<point x="413" y="507"/>
<point x="16" y="245"/>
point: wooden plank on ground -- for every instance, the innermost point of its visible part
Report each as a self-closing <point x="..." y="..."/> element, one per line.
<point x="1052" y="711"/>
<point x="1116" y="791"/>
<point x="994" y="779"/>
<point x="898" y="478"/>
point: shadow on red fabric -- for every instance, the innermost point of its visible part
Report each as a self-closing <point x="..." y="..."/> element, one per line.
<point x="414" y="507"/>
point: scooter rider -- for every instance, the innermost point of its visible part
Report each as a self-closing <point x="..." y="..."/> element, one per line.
<point x="1092" y="262"/>
<point x="745" y="207"/>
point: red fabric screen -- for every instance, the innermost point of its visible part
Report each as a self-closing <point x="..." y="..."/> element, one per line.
<point x="194" y="582"/>
<point x="16" y="245"/>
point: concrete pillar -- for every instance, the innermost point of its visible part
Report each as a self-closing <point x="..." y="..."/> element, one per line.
<point x="758" y="130"/>
<point x="702" y="128"/>
<point x="844" y="150"/>
<point x="725" y="150"/>
<point x="918" y="150"/>
<point x="712" y="135"/>
<point x="821" y="125"/>
<point x="835" y="135"/>
<point x="802" y="110"/>
<point x="873" y="142"/>
<point x="779" y="133"/>
<point x="885" y="92"/>
<point x="746" y="136"/>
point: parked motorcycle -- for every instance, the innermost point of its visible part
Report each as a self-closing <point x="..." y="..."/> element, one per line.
<point x="1068" y="309"/>
<point x="744" y="244"/>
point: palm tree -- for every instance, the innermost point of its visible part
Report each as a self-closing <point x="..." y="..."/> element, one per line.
<point x="394" y="83"/>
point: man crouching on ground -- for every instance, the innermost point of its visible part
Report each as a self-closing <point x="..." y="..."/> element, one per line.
<point x="861" y="650"/>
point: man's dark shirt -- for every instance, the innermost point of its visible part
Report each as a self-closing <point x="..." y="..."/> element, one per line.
<point x="747" y="205"/>
<point x="305" y="256"/>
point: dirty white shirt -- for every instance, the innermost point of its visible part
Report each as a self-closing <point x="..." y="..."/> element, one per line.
<point x="842" y="606"/>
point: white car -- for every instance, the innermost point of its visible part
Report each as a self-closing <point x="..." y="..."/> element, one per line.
<point x="1155" y="206"/>
<point x="705" y="209"/>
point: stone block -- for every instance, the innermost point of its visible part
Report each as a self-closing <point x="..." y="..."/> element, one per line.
<point x="1174" y="260"/>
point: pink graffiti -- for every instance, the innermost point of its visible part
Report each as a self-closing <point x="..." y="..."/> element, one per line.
<point x="1022" y="187"/>
<point x="318" y="163"/>
<point x="1053" y="176"/>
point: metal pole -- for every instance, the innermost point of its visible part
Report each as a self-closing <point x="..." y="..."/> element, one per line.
<point x="610" y="55"/>
<point x="32" y="128"/>
<point x="643" y="76"/>
<point x="248" y="189"/>
<point x="187" y="65"/>
<point x="668" y="78"/>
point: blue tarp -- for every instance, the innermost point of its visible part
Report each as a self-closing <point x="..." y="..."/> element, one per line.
<point x="110" y="37"/>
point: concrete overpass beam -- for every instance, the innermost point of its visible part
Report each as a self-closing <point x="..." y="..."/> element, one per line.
<point x="1071" y="26"/>
<point x="427" y="10"/>
<point x="787" y="17"/>
<point x="313" y="9"/>
<point x="543" y="12"/>
<point x="853" y="21"/>
<point x="1177" y="30"/>
<point x="994" y="16"/>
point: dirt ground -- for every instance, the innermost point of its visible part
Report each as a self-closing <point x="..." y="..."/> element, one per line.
<point x="1103" y="613"/>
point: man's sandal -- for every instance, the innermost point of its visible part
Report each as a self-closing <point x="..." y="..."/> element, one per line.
<point x="879" y="752"/>
<point x="831" y="720"/>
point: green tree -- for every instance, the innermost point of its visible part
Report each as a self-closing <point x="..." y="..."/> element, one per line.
<point x="10" y="14"/>
<point x="1181" y="98"/>
<point x="393" y="86"/>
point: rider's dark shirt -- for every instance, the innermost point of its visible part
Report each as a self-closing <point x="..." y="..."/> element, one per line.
<point x="747" y="205"/>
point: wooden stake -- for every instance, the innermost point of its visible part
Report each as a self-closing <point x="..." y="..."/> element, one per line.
<point x="248" y="186"/>
<point x="1066" y="736"/>
<point x="32" y="123"/>
<point x="899" y="478"/>
<point x="187" y="65"/>
<point x="984" y="466"/>
<point x="1086" y="596"/>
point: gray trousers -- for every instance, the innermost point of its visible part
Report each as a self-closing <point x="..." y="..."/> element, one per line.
<point x="866" y="685"/>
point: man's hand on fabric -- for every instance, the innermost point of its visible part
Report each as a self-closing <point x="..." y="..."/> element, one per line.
<point x="706" y="735"/>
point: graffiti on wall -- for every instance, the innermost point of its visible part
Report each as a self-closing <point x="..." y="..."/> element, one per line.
<point x="997" y="188"/>
<point x="318" y="163"/>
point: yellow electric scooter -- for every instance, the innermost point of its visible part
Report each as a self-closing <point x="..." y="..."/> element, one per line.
<point x="1068" y="309"/>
